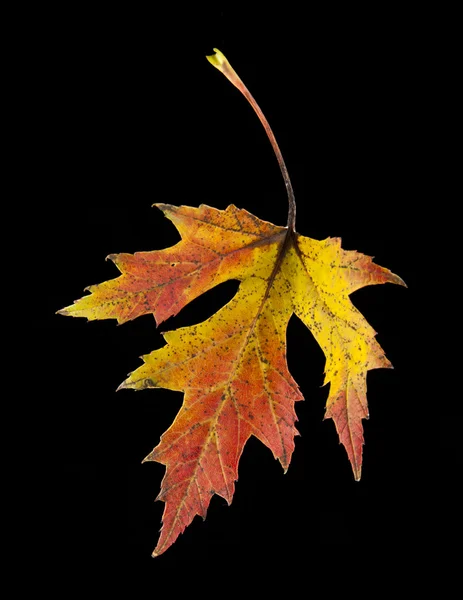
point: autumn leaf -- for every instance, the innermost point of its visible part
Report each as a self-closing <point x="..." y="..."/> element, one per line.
<point x="232" y="367"/>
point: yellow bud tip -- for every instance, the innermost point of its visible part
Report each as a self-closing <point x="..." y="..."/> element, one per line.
<point x="220" y="62"/>
<point x="217" y="59"/>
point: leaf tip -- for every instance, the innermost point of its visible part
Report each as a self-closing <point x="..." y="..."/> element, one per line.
<point x="151" y="457"/>
<point x="162" y="207"/>
<point x="357" y="469"/>
<point x="401" y="282"/>
<point x="397" y="280"/>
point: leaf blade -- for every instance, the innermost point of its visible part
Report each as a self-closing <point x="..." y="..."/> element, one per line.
<point x="232" y="367"/>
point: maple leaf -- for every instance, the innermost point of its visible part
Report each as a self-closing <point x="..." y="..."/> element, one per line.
<point x="232" y="367"/>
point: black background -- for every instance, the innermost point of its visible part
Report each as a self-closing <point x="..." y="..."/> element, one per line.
<point x="128" y="112"/>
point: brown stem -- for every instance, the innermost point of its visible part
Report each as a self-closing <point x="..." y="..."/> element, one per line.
<point x="220" y="62"/>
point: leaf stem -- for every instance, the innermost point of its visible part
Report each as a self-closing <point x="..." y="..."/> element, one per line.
<point x="221" y="63"/>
